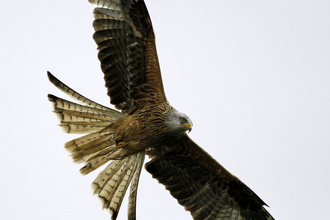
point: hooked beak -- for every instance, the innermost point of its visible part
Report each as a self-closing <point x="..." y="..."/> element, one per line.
<point x="188" y="127"/>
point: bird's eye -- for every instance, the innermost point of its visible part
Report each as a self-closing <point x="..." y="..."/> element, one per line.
<point x="183" y="120"/>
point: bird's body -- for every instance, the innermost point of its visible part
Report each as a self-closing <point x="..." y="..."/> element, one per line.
<point x="147" y="124"/>
<point x="130" y="131"/>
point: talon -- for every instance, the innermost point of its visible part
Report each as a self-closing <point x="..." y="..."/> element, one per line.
<point x="118" y="139"/>
<point x="119" y="142"/>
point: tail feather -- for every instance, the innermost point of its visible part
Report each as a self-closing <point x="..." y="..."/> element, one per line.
<point x="85" y="147"/>
<point x="110" y="188"/>
<point x="103" y="177"/>
<point x="112" y="183"/>
<point x="80" y="98"/>
<point x="89" y="141"/>
<point x="134" y="186"/>
<point x="102" y="157"/>
<point x="79" y="119"/>
<point x="84" y="111"/>
<point x="98" y="147"/>
<point x="122" y="186"/>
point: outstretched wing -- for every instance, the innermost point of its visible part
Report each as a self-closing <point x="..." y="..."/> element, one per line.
<point x="127" y="51"/>
<point x="202" y="185"/>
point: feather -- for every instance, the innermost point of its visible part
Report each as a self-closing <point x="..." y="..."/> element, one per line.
<point x="127" y="52"/>
<point x="202" y="185"/>
<point x="111" y="184"/>
<point x="98" y="147"/>
<point x="134" y="186"/>
<point x="80" y="119"/>
<point x="80" y="98"/>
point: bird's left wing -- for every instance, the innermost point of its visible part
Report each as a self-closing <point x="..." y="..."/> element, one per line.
<point x="202" y="185"/>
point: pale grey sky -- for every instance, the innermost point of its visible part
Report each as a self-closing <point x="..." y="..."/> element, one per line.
<point x="254" y="76"/>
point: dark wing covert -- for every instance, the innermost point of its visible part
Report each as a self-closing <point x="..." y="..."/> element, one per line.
<point x="202" y="185"/>
<point x="127" y="51"/>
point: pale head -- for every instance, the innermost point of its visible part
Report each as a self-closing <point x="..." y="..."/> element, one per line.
<point x="178" y="122"/>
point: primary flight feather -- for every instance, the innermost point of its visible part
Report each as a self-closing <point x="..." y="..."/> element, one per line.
<point x="147" y="124"/>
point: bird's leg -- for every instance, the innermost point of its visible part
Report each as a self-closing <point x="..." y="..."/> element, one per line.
<point x="120" y="141"/>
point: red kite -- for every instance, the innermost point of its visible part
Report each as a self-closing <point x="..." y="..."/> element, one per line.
<point x="146" y="124"/>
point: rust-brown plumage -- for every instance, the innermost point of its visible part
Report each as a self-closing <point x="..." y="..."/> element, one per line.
<point x="147" y="124"/>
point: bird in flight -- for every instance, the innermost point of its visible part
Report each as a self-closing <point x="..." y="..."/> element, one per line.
<point x="146" y="124"/>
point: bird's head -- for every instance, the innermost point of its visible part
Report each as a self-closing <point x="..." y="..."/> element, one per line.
<point x="179" y="122"/>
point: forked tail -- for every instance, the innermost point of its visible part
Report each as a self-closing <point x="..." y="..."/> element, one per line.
<point x="98" y="147"/>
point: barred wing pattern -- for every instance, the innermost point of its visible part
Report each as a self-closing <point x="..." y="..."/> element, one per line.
<point x="204" y="187"/>
<point x="98" y="147"/>
<point x="127" y="51"/>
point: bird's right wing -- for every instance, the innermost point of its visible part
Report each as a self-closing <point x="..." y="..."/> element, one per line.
<point x="127" y="51"/>
<point x="202" y="185"/>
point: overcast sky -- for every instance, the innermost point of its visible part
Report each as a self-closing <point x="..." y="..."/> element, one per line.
<point x="254" y="76"/>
